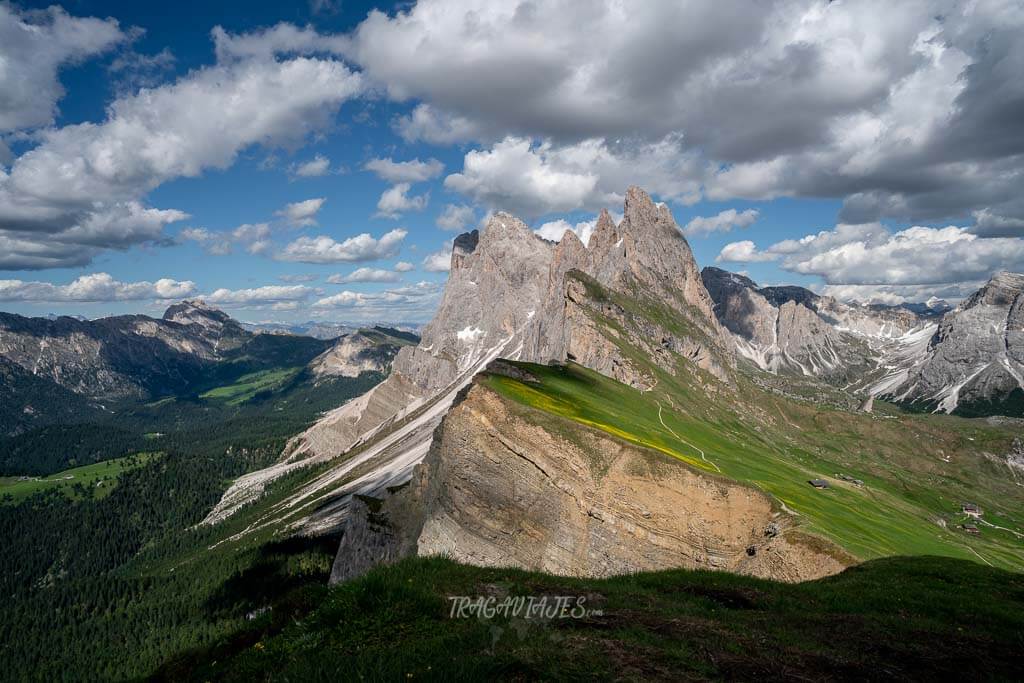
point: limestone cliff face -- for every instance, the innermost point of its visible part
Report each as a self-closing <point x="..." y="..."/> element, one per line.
<point x="976" y="356"/>
<point x="645" y="259"/>
<point x="498" y="488"/>
<point x="793" y="330"/>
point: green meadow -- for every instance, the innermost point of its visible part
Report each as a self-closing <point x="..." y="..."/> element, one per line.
<point x="248" y="386"/>
<point x="101" y="476"/>
<point x="909" y="503"/>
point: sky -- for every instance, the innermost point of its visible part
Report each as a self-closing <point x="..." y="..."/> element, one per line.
<point x="314" y="161"/>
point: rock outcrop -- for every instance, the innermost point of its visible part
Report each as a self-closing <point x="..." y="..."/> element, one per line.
<point x="974" y="363"/>
<point x="500" y="489"/>
<point x="354" y="354"/>
<point x="793" y="330"/>
<point x="512" y="294"/>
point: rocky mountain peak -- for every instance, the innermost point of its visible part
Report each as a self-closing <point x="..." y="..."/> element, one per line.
<point x="1001" y="290"/>
<point x="463" y="246"/>
<point x="196" y="311"/>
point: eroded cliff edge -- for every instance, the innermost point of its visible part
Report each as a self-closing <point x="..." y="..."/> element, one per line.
<point x="508" y="485"/>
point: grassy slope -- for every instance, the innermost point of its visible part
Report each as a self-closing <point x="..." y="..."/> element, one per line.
<point x="917" y="468"/>
<point x="251" y="384"/>
<point x="907" y="488"/>
<point x="913" y="618"/>
<point x="104" y="474"/>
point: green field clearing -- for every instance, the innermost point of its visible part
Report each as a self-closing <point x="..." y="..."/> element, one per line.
<point x="101" y="475"/>
<point x="247" y="386"/>
<point x="908" y="494"/>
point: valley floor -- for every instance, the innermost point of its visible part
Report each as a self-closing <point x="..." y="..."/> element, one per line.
<point x="922" y="618"/>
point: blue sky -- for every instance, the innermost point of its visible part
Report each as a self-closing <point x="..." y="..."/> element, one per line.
<point x="803" y="142"/>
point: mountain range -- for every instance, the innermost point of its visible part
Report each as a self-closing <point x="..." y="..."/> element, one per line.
<point x="584" y="410"/>
<point x="598" y="409"/>
<point x="64" y="368"/>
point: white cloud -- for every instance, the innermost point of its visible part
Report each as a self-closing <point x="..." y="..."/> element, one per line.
<point x="396" y="200"/>
<point x="456" y="217"/>
<point x="555" y="230"/>
<point x="84" y="178"/>
<point x="870" y="254"/>
<point x="404" y="267"/>
<point x="97" y="287"/>
<point x="301" y="277"/>
<point x="363" y="247"/>
<point x="533" y="180"/>
<point x="724" y="221"/>
<point x="428" y="124"/>
<point x="269" y="294"/>
<point x="439" y="261"/>
<point x="254" y="237"/>
<point x="852" y="98"/>
<point x="365" y="275"/>
<point x="302" y="213"/>
<point x="411" y="302"/>
<point x="744" y="251"/>
<point x="34" y="45"/>
<point x="412" y="171"/>
<point x="314" y="168"/>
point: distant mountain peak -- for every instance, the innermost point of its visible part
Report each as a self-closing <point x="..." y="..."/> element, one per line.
<point x="192" y="311"/>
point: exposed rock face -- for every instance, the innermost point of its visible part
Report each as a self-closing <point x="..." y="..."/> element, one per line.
<point x="793" y="330"/>
<point x="353" y="355"/>
<point x="498" y="489"/>
<point x="108" y="359"/>
<point x="975" y="360"/>
<point x="646" y="260"/>
<point x="512" y="294"/>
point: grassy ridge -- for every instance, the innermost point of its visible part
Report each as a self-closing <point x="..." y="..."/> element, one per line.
<point x="907" y="494"/>
<point x="914" y="618"/>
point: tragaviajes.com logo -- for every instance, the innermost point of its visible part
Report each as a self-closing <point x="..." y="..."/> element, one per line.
<point x="521" y="606"/>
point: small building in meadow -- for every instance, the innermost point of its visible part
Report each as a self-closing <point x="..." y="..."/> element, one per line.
<point x="971" y="509"/>
<point x="818" y="483"/>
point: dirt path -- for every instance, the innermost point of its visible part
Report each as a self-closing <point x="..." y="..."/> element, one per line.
<point x="1003" y="528"/>
<point x="979" y="556"/>
<point x="702" y="455"/>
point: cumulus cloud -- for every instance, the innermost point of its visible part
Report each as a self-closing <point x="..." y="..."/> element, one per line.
<point x="97" y="287"/>
<point x="870" y="254"/>
<point x="456" y="217"/>
<point x="88" y="179"/>
<point x="314" y="168"/>
<point x="853" y="99"/>
<point x="724" y="221"/>
<point x="411" y="302"/>
<point x="555" y="230"/>
<point x="269" y="294"/>
<point x="34" y="45"/>
<point x="439" y="261"/>
<point x="536" y="179"/>
<point x="255" y="238"/>
<point x="396" y="200"/>
<point x="324" y="249"/>
<point x="366" y="275"/>
<point x="302" y="213"/>
<point x="988" y="224"/>
<point x="404" y="267"/>
<point x="412" y="171"/>
<point x="300" y="277"/>
<point x="744" y="251"/>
